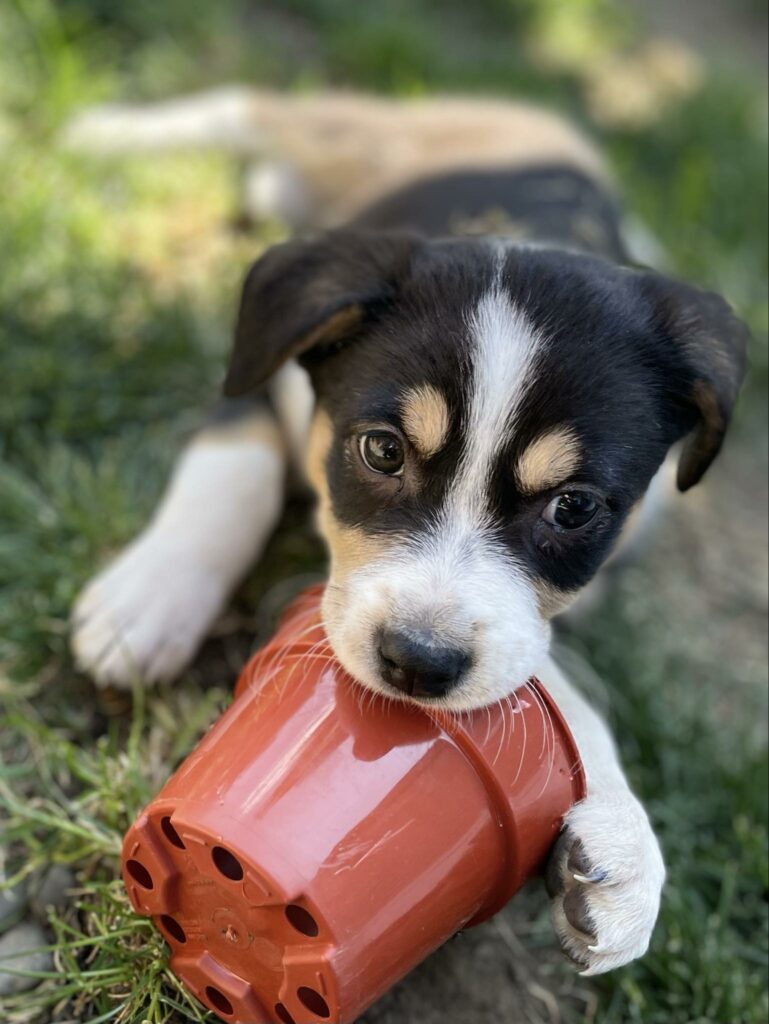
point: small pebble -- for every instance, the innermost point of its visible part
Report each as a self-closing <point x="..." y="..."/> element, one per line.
<point x="13" y="903"/>
<point x="52" y="890"/>
<point x="21" y="944"/>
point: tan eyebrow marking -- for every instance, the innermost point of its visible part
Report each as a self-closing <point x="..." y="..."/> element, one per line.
<point x="425" y="418"/>
<point x="549" y="460"/>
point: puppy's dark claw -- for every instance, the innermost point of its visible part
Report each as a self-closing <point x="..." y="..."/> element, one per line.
<point x="569" y="854"/>
<point x="581" y="868"/>
<point x="594" y="878"/>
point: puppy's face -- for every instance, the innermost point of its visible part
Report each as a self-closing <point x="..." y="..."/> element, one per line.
<point x="484" y="426"/>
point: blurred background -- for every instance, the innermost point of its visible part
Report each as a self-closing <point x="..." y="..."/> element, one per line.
<point x="118" y="282"/>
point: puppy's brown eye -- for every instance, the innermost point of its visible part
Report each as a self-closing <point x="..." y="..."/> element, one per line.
<point x="382" y="452"/>
<point x="571" y="511"/>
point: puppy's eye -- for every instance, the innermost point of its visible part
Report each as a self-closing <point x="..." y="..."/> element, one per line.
<point x="572" y="510"/>
<point x="382" y="452"/>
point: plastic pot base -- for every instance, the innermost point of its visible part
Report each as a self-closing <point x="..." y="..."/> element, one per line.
<point x="226" y="922"/>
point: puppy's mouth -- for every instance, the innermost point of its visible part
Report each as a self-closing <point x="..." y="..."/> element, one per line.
<point x="409" y="666"/>
<point x="458" y="641"/>
<point x="399" y="663"/>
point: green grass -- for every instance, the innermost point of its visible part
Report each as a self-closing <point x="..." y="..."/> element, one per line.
<point x="117" y="284"/>
<point x="67" y="803"/>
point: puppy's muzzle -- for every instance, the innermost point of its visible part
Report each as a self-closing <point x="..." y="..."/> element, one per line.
<point x="411" y="663"/>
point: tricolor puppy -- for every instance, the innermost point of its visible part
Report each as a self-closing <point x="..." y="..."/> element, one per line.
<point x="493" y="388"/>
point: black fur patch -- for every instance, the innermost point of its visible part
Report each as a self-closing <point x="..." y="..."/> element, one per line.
<point x="556" y="205"/>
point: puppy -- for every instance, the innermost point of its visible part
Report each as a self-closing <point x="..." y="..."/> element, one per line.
<point x="482" y="388"/>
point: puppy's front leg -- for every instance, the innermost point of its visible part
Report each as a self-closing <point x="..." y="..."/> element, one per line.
<point x="606" y="873"/>
<point x="145" y="615"/>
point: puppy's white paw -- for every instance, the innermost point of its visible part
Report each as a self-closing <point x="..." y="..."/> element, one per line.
<point x="145" y="615"/>
<point x="605" y="877"/>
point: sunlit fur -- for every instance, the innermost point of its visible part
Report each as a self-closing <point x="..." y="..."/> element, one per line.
<point x="550" y="460"/>
<point x="425" y="419"/>
<point x="566" y="362"/>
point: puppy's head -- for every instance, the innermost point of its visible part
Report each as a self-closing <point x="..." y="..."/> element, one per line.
<point x="486" y="419"/>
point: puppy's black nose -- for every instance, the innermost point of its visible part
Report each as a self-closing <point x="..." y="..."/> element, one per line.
<point x="418" y="668"/>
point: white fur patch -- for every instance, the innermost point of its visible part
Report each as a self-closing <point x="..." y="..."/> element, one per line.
<point x="276" y="190"/>
<point x="219" y="119"/>
<point x="504" y="345"/>
<point x="294" y="401"/>
<point x="145" y="615"/>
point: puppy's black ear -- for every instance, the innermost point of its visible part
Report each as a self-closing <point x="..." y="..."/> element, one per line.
<point x="311" y="295"/>
<point x="710" y="345"/>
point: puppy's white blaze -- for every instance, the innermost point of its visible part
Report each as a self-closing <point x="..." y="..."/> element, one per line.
<point x="504" y="347"/>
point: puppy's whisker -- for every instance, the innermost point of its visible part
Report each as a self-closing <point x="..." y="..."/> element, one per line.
<point x="549" y="739"/>
<point x="319" y="649"/>
<point x="487" y="711"/>
<point x="503" y="738"/>
<point x="276" y="658"/>
<point x="524" y="740"/>
<point x="306" y="659"/>
<point x="535" y="697"/>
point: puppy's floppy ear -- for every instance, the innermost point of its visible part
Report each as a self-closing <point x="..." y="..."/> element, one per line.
<point x="710" y="345"/>
<point x="305" y="296"/>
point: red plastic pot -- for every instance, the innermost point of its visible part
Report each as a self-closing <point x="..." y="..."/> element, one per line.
<point x="321" y="842"/>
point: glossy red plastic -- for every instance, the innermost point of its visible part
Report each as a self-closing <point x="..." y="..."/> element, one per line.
<point x="321" y="842"/>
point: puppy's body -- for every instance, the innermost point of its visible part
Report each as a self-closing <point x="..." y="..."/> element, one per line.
<point x="320" y="160"/>
<point x="492" y="392"/>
